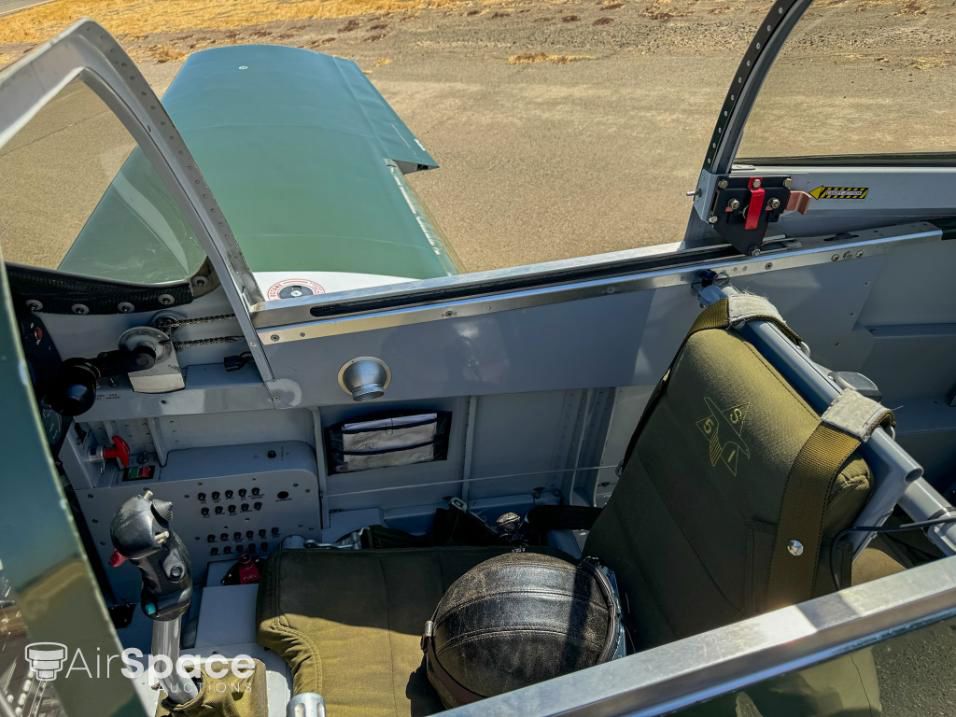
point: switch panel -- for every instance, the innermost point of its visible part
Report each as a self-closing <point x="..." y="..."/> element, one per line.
<point x="226" y="500"/>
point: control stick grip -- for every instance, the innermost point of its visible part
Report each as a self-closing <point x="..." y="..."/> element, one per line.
<point x="141" y="533"/>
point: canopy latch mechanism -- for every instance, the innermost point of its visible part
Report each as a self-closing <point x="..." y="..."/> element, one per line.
<point x="744" y="206"/>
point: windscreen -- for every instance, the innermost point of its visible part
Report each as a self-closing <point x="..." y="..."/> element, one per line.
<point x="79" y="196"/>
<point x="862" y="77"/>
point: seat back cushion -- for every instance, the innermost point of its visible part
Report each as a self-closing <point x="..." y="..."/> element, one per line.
<point x="349" y="623"/>
<point x="845" y="687"/>
<point x="691" y="527"/>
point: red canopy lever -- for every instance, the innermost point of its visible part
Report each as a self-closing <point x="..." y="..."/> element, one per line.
<point x="119" y="451"/>
<point x="754" y="209"/>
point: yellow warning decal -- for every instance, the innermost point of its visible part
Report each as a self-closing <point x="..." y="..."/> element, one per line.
<point x="840" y="192"/>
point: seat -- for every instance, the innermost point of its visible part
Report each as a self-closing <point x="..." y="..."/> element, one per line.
<point x="704" y="483"/>
<point x="688" y="531"/>
<point x="349" y="622"/>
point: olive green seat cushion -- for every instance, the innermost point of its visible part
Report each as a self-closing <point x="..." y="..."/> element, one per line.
<point x="349" y="623"/>
<point x="845" y="687"/>
<point x="691" y="527"/>
<point x="227" y="696"/>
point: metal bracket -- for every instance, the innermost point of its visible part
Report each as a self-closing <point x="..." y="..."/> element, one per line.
<point x="306" y="704"/>
<point x="743" y="207"/>
<point x="165" y="375"/>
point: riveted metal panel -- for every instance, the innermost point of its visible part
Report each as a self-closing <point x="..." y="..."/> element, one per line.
<point x="253" y="496"/>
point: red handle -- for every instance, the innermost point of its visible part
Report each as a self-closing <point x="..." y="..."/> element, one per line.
<point x="757" y="196"/>
<point x="119" y="451"/>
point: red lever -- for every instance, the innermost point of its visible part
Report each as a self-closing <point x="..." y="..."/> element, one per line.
<point x="119" y="451"/>
<point x="248" y="570"/>
<point x="117" y="559"/>
<point x="754" y="209"/>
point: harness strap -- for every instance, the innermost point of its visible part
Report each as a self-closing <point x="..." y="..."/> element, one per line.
<point x="857" y="415"/>
<point x="844" y="426"/>
<point x="737" y="309"/>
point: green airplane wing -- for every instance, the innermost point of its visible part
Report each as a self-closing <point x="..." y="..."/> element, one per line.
<point x="306" y="159"/>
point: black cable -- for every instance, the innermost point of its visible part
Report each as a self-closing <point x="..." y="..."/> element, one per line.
<point x="902" y="528"/>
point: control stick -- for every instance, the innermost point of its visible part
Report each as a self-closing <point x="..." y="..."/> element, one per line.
<point x="141" y="533"/>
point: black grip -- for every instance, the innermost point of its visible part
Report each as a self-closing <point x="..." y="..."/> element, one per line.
<point x="141" y="533"/>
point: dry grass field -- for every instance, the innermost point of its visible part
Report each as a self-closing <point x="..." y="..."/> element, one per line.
<point x="144" y="17"/>
<point x="140" y="19"/>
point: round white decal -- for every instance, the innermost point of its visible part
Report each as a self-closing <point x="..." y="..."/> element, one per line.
<point x="293" y="289"/>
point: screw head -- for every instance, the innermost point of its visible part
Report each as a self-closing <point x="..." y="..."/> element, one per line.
<point x="274" y="337"/>
<point x="774" y="203"/>
<point x="723" y="184"/>
<point x="34" y="305"/>
<point x="125" y="307"/>
<point x="733" y="205"/>
<point x="788" y="182"/>
<point x="166" y="299"/>
<point x="712" y="219"/>
<point x="835" y="257"/>
<point x="80" y="309"/>
<point x="795" y="548"/>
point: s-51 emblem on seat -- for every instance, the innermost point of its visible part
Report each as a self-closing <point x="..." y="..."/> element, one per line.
<point x="728" y="446"/>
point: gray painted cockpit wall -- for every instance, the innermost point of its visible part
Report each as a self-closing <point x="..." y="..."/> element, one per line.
<point x="544" y="397"/>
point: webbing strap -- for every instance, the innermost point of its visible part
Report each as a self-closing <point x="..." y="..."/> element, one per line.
<point x="715" y="316"/>
<point x="857" y="415"/>
<point x="739" y="308"/>
<point x="844" y="426"/>
<point x="796" y="555"/>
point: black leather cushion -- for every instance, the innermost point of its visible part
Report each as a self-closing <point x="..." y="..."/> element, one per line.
<point x="517" y="619"/>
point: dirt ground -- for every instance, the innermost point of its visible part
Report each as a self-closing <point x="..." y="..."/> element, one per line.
<point x="574" y="127"/>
